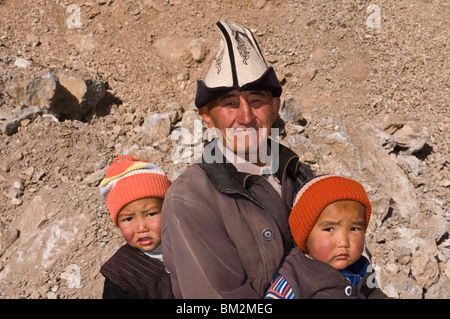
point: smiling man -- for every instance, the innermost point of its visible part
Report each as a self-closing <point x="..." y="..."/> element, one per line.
<point x="243" y="120"/>
<point x="225" y="219"/>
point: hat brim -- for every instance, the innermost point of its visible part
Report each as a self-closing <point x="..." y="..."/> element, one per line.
<point x="267" y="82"/>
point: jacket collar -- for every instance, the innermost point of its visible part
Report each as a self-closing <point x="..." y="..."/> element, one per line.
<point x="227" y="179"/>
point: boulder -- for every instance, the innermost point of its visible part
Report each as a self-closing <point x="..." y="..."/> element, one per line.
<point x="16" y="118"/>
<point x="65" y="96"/>
<point x="40" y="92"/>
<point x="156" y="128"/>
<point x="291" y="110"/>
<point x="7" y="236"/>
<point x="411" y="138"/>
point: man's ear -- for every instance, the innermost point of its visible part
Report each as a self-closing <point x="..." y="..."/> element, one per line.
<point x="204" y="114"/>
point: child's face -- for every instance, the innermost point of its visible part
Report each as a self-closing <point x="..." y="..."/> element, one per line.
<point x="140" y="223"/>
<point x="337" y="237"/>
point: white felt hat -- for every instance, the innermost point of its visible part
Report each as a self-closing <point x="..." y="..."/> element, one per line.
<point x="239" y="64"/>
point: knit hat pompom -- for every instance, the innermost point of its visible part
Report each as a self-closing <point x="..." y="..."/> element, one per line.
<point x="129" y="179"/>
<point x="316" y="194"/>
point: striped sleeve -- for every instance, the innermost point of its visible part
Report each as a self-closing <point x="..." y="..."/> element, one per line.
<point x="279" y="289"/>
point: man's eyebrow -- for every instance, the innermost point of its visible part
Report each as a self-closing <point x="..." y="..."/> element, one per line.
<point x="226" y="96"/>
<point x="262" y="93"/>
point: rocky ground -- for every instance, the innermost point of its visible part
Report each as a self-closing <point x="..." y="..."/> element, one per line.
<point x="366" y="95"/>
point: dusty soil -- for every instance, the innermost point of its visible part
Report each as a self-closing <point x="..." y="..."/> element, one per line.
<point x="332" y="57"/>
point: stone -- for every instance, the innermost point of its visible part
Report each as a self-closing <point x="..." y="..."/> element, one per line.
<point x="156" y="128"/>
<point x="407" y="287"/>
<point x="96" y="177"/>
<point x="424" y="269"/>
<point x="8" y="235"/>
<point x="77" y="96"/>
<point x="411" y="166"/>
<point x="18" y="185"/>
<point x="66" y="97"/>
<point x="18" y="116"/>
<point x="75" y="85"/>
<point x="381" y="207"/>
<point x="198" y="49"/>
<point x="175" y="112"/>
<point x="411" y="138"/>
<point x="22" y="63"/>
<point x="72" y="275"/>
<point x="177" y="50"/>
<point x="440" y="290"/>
<point x="192" y="122"/>
<point x="291" y="110"/>
<point x="37" y="92"/>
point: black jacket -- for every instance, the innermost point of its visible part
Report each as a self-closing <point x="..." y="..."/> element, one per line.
<point x="130" y="274"/>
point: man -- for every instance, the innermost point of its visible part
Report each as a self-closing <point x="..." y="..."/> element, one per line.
<point x="225" y="225"/>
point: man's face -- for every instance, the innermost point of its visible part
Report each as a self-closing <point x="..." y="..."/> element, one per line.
<point x="244" y="118"/>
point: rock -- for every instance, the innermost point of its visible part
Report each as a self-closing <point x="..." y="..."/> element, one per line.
<point x="72" y="275"/>
<point x="175" y="50"/>
<point x="22" y="63"/>
<point x="156" y="128"/>
<point x="75" y="85"/>
<point x="291" y="110"/>
<point x="175" y="112"/>
<point x="381" y="207"/>
<point x="18" y="116"/>
<point x="77" y="96"/>
<point x="411" y="138"/>
<point x="406" y="288"/>
<point x="192" y="122"/>
<point x="198" y="49"/>
<point x="96" y="177"/>
<point x="424" y="269"/>
<point x="390" y="123"/>
<point x="388" y="81"/>
<point x="436" y="228"/>
<point x="411" y="166"/>
<point x="403" y="255"/>
<point x="18" y="185"/>
<point x="440" y="290"/>
<point x="369" y="159"/>
<point x="66" y="97"/>
<point x="390" y="291"/>
<point x="7" y="236"/>
<point x="38" y="92"/>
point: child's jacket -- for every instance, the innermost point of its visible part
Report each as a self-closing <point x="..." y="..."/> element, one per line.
<point x="131" y="274"/>
<point x="308" y="278"/>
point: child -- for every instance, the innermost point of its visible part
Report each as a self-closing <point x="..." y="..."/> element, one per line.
<point x="134" y="191"/>
<point x="328" y="223"/>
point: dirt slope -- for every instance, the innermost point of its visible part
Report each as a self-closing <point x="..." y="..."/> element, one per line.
<point x="338" y="59"/>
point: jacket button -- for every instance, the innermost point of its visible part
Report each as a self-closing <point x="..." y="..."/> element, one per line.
<point x="348" y="291"/>
<point x="267" y="234"/>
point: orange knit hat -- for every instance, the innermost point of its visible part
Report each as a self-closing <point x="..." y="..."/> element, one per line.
<point x="129" y="179"/>
<point x="315" y="195"/>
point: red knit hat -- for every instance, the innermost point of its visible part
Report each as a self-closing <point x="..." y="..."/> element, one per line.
<point x="129" y="179"/>
<point x="315" y="195"/>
